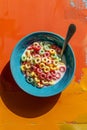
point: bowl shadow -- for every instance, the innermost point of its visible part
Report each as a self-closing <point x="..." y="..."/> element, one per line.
<point x="21" y="103"/>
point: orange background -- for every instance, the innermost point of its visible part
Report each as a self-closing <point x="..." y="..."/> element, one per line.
<point x="66" y="111"/>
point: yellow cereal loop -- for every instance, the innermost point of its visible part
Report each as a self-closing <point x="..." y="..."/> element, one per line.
<point x="46" y="69"/>
<point x="45" y="82"/>
<point x="37" y="80"/>
<point x="22" y="67"/>
<point x="55" y="62"/>
<point x="28" y="73"/>
<point x="37" y="60"/>
<point x="51" y="82"/>
<point x="42" y="65"/>
<point x="52" y="51"/>
<point x="44" y="59"/>
<point x="27" y="65"/>
<point x="33" y="74"/>
<point x="40" y="85"/>
<point x="29" y="58"/>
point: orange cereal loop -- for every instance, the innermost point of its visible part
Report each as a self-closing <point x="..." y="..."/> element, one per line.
<point x="51" y="65"/>
<point x="52" y="51"/>
<point x="27" y="53"/>
<point x="53" y="68"/>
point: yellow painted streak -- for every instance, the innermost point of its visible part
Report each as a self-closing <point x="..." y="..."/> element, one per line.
<point x="73" y="127"/>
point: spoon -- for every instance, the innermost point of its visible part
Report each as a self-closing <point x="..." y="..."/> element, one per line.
<point x="70" y="32"/>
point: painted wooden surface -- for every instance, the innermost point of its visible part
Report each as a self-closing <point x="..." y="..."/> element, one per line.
<point x="66" y="111"/>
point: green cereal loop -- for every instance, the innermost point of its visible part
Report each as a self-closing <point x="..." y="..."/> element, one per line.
<point x="29" y="80"/>
<point x="49" y="45"/>
<point x="34" y="83"/>
<point x="41" y="43"/>
<point x="46" y="47"/>
<point x="58" y="58"/>
<point x="23" y="58"/>
<point x="54" y="56"/>
<point x="41" y="52"/>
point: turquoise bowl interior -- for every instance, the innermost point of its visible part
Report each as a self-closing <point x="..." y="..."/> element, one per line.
<point x="19" y="77"/>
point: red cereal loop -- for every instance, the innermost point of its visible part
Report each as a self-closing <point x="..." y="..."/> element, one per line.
<point x="36" y="48"/>
<point x="29" y="48"/>
<point x="33" y="68"/>
<point x="47" y="54"/>
<point x="49" y="76"/>
<point x="62" y="69"/>
<point x="53" y="46"/>
<point x="39" y="70"/>
<point x="58" y="50"/>
<point x="58" y="75"/>
<point x="54" y="77"/>
<point x="42" y="76"/>
<point x="53" y="72"/>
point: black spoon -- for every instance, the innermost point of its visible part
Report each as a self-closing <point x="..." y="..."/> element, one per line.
<point x="70" y="32"/>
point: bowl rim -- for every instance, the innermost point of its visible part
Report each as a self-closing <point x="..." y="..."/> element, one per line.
<point x="48" y="33"/>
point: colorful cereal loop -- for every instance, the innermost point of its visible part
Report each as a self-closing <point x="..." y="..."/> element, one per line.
<point x="46" y="69"/>
<point x="54" y="56"/>
<point x="52" y="51"/>
<point x="36" y="44"/>
<point x="37" y="60"/>
<point x="45" y="82"/>
<point x="46" y="48"/>
<point x="29" y="58"/>
<point x="44" y="59"/>
<point x="42" y="65"/>
<point x="30" y="80"/>
<point x="48" y="62"/>
<point x="55" y="62"/>
<point x="23" y="58"/>
<point x="27" y="65"/>
<point x="27" y="53"/>
<point x="41" y="52"/>
<point x="36" y="80"/>
<point x="22" y="67"/>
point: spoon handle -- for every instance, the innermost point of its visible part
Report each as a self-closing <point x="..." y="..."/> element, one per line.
<point x="71" y="31"/>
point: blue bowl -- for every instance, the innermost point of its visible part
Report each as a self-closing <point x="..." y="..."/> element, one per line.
<point x="19" y="77"/>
